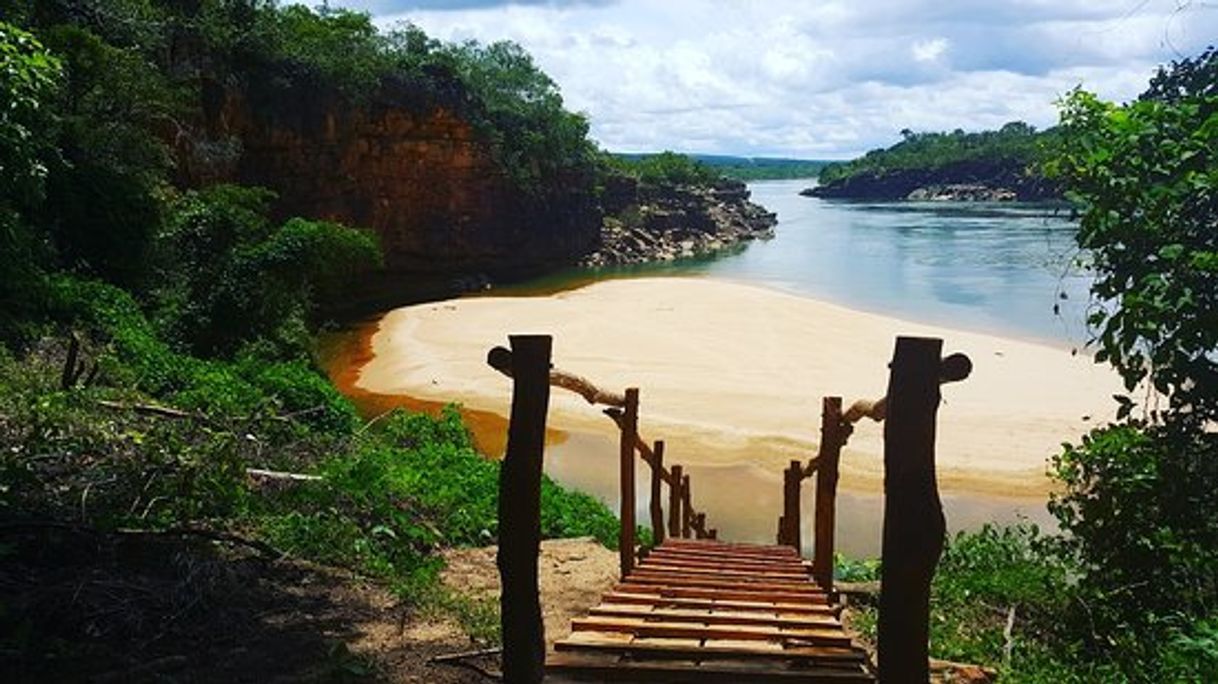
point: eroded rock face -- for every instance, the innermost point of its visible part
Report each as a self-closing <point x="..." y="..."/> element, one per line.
<point x="416" y="173"/>
<point x="962" y="192"/>
<point x="666" y="222"/>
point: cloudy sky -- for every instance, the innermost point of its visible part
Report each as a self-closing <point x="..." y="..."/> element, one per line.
<point x="820" y="78"/>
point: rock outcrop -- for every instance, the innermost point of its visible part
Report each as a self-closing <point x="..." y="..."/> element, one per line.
<point x="646" y="222"/>
<point x="962" y="192"/>
<point x="997" y="178"/>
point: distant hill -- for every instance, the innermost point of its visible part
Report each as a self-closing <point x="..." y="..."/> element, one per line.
<point x="750" y="168"/>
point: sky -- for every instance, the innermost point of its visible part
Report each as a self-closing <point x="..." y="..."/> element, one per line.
<point x="821" y="79"/>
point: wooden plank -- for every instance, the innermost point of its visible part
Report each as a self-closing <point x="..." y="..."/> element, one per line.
<point x="726" y="594"/>
<point x="682" y="579"/>
<point x="822" y="655"/>
<point x="723" y="557"/>
<point x="803" y="636"/>
<point x="724" y="562"/>
<point x="720" y="570"/>
<point x="711" y="617"/>
<point x="630" y="597"/>
<point x="612" y="667"/>
<point x="737" y="547"/>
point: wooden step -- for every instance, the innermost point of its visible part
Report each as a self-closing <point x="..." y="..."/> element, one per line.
<point x="730" y="593"/>
<point x="793" y="569"/>
<point x="802" y="636"/>
<point x="702" y="579"/>
<point x="715" y="617"/>
<point x="653" y="598"/>
<point x="695" y="649"/>
<point x="735" y="547"/>
<point x="602" y="667"/>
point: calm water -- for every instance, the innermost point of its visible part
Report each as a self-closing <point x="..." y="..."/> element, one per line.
<point x="990" y="267"/>
<point x="997" y="268"/>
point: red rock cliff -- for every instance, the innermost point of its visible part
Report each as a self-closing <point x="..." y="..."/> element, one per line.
<point x="420" y="177"/>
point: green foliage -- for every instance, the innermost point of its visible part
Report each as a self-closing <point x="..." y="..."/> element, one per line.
<point x="230" y="277"/>
<point x="538" y="142"/>
<point x="1146" y="177"/>
<point x="1016" y="141"/>
<point x="666" y="168"/>
<point x="29" y="78"/>
<point x="1139" y="503"/>
<point x="1139" y="507"/>
<point x="1007" y="158"/>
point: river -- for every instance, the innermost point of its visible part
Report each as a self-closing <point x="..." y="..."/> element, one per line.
<point x="998" y="268"/>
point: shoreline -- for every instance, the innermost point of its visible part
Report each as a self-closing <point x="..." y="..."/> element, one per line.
<point x="740" y="381"/>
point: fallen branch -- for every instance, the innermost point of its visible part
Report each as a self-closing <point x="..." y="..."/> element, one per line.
<point x="150" y="409"/>
<point x="1008" y="638"/>
<point x="225" y="537"/>
<point x="279" y="476"/>
<point x="461" y="660"/>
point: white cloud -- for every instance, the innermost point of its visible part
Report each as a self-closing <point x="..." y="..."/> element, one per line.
<point x="823" y="79"/>
<point x="929" y="50"/>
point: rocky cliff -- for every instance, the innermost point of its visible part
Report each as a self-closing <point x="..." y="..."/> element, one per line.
<point x="414" y="172"/>
<point x="646" y="222"/>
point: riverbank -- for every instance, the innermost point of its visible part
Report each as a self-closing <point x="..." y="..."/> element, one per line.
<point x="734" y="374"/>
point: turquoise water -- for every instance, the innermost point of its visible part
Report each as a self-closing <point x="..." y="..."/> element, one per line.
<point x="998" y="267"/>
<point x="990" y="267"/>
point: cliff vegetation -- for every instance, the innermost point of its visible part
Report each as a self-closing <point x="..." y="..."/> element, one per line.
<point x="987" y="165"/>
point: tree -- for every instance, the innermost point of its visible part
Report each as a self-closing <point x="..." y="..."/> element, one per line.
<point x="1141" y="497"/>
<point x="29" y="79"/>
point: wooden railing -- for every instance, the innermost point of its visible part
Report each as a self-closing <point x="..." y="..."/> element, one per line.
<point x="913" y="530"/>
<point x="684" y="521"/>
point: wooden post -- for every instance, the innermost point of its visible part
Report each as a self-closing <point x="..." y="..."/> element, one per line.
<point x="792" y="479"/>
<point x="657" y="507"/>
<point x="712" y="533"/>
<point x="914" y="527"/>
<point x="630" y="435"/>
<point x="686" y="507"/>
<point x="780" y="537"/>
<point x="830" y="452"/>
<point x="520" y="511"/>
<point x="674" y="503"/>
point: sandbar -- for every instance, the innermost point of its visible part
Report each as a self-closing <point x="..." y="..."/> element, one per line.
<point x="733" y="373"/>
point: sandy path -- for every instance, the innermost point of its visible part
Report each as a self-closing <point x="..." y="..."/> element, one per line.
<point x="734" y="373"/>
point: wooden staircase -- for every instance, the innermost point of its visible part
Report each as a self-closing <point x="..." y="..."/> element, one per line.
<point x="705" y="610"/>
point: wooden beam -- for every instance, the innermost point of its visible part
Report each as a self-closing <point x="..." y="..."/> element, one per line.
<point x="687" y="511"/>
<point x="914" y="526"/>
<point x="500" y="359"/>
<point x="629" y="435"/>
<point x="657" y="507"/>
<point x="832" y="437"/>
<point x="520" y="511"/>
<point x="674" y="503"/>
<point x="792" y="477"/>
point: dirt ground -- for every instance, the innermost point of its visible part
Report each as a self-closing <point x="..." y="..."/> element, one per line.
<point x="79" y="607"/>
